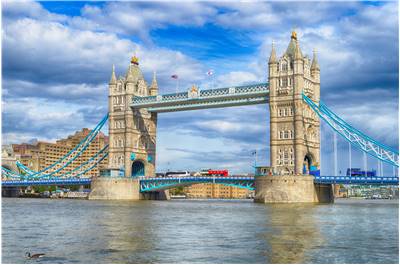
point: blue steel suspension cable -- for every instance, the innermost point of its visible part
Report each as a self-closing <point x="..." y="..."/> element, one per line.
<point x="13" y="174"/>
<point x="81" y="173"/>
<point x="87" y="162"/>
<point x="72" y="159"/>
<point x="33" y="173"/>
<point x="94" y="131"/>
<point x="320" y="112"/>
<point x="347" y="125"/>
<point x="89" y="138"/>
<point x="90" y="168"/>
<point x="25" y="168"/>
<point x="9" y="172"/>
<point x="64" y="175"/>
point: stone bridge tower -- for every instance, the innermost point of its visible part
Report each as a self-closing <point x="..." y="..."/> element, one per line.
<point x="294" y="127"/>
<point x="132" y="132"/>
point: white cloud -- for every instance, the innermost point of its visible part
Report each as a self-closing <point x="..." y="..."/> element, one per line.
<point x="68" y="59"/>
<point x="236" y="78"/>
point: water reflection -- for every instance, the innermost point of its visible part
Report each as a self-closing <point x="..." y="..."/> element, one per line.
<point x="198" y="231"/>
<point x="294" y="232"/>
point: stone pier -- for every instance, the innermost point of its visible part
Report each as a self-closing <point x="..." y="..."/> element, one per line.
<point x="291" y="189"/>
<point x="104" y="188"/>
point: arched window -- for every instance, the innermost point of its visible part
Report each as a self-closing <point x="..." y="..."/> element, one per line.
<point x="280" y="113"/>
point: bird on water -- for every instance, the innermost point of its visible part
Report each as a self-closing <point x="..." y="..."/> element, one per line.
<point x="34" y="256"/>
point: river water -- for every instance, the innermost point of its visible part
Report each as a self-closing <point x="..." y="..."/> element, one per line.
<point x="199" y="231"/>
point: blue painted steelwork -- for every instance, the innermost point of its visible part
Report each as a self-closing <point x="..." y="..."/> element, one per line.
<point x="212" y="98"/>
<point x="69" y="157"/>
<point x="102" y="154"/>
<point x="356" y="180"/>
<point x="46" y="182"/>
<point x="354" y="136"/>
<point x="153" y="184"/>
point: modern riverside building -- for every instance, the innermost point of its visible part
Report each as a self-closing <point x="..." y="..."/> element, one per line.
<point x="217" y="191"/>
<point x="40" y="155"/>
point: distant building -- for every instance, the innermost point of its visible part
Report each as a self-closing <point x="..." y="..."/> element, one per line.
<point x="217" y="191"/>
<point x="43" y="154"/>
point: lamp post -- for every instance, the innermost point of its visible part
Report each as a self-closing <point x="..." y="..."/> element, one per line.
<point x="255" y="161"/>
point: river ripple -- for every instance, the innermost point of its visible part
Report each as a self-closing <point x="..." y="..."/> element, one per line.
<point x="199" y="231"/>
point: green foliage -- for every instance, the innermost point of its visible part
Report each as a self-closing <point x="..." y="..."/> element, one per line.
<point x="177" y="191"/>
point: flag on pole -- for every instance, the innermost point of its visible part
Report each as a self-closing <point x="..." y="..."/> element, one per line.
<point x="174" y="76"/>
<point x="210" y="72"/>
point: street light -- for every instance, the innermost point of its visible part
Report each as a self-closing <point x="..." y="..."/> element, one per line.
<point x="255" y="161"/>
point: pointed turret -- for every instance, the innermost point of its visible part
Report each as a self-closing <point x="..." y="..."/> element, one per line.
<point x="297" y="52"/>
<point x="154" y="85"/>
<point x="314" y="65"/>
<point x="290" y="51"/>
<point x="113" y="79"/>
<point x="129" y="75"/>
<point x="154" y="81"/>
<point x="134" y="73"/>
<point x="272" y="58"/>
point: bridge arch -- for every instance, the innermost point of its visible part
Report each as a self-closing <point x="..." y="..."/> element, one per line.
<point x="138" y="169"/>
<point x="308" y="162"/>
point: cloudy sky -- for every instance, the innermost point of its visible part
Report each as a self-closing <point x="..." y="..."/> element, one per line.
<point x="57" y="59"/>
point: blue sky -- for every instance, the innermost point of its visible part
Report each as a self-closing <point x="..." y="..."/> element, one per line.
<point x="57" y="59"/>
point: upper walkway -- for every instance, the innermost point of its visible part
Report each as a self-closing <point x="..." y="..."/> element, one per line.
<point x="204" y="99"/>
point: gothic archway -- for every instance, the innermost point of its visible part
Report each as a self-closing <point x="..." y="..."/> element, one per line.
<point x="308" y="161"/>
<point x="137" y="169"/>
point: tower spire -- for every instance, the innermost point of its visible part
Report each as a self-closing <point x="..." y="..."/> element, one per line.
<point x="297" y="52"/>
<point x="113" y="79"/>
<point x="154" y="81"/>
<point x="272" y="58"/>
<point x="129" y="75"/>
<point x="314" y="65"/>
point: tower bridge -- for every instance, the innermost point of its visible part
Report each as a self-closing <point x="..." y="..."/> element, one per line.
<point x="293" y="95"/>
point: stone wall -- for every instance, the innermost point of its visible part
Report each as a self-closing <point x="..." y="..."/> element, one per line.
<point x="291" y="189"/>
<point x="115" y="189"/>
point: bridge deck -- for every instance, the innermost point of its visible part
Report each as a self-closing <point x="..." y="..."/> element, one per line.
<point x="154" y="183"/>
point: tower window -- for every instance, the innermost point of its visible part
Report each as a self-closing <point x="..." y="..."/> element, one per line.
<point x="284" y="82"/>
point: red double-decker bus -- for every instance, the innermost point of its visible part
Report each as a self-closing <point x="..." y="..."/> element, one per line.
<point x="215" y="172"/>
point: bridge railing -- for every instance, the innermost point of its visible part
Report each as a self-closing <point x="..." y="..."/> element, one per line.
<point x="203" y="94"/>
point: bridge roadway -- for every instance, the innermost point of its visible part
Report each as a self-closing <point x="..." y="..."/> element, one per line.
<point x="247" y="182"/>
